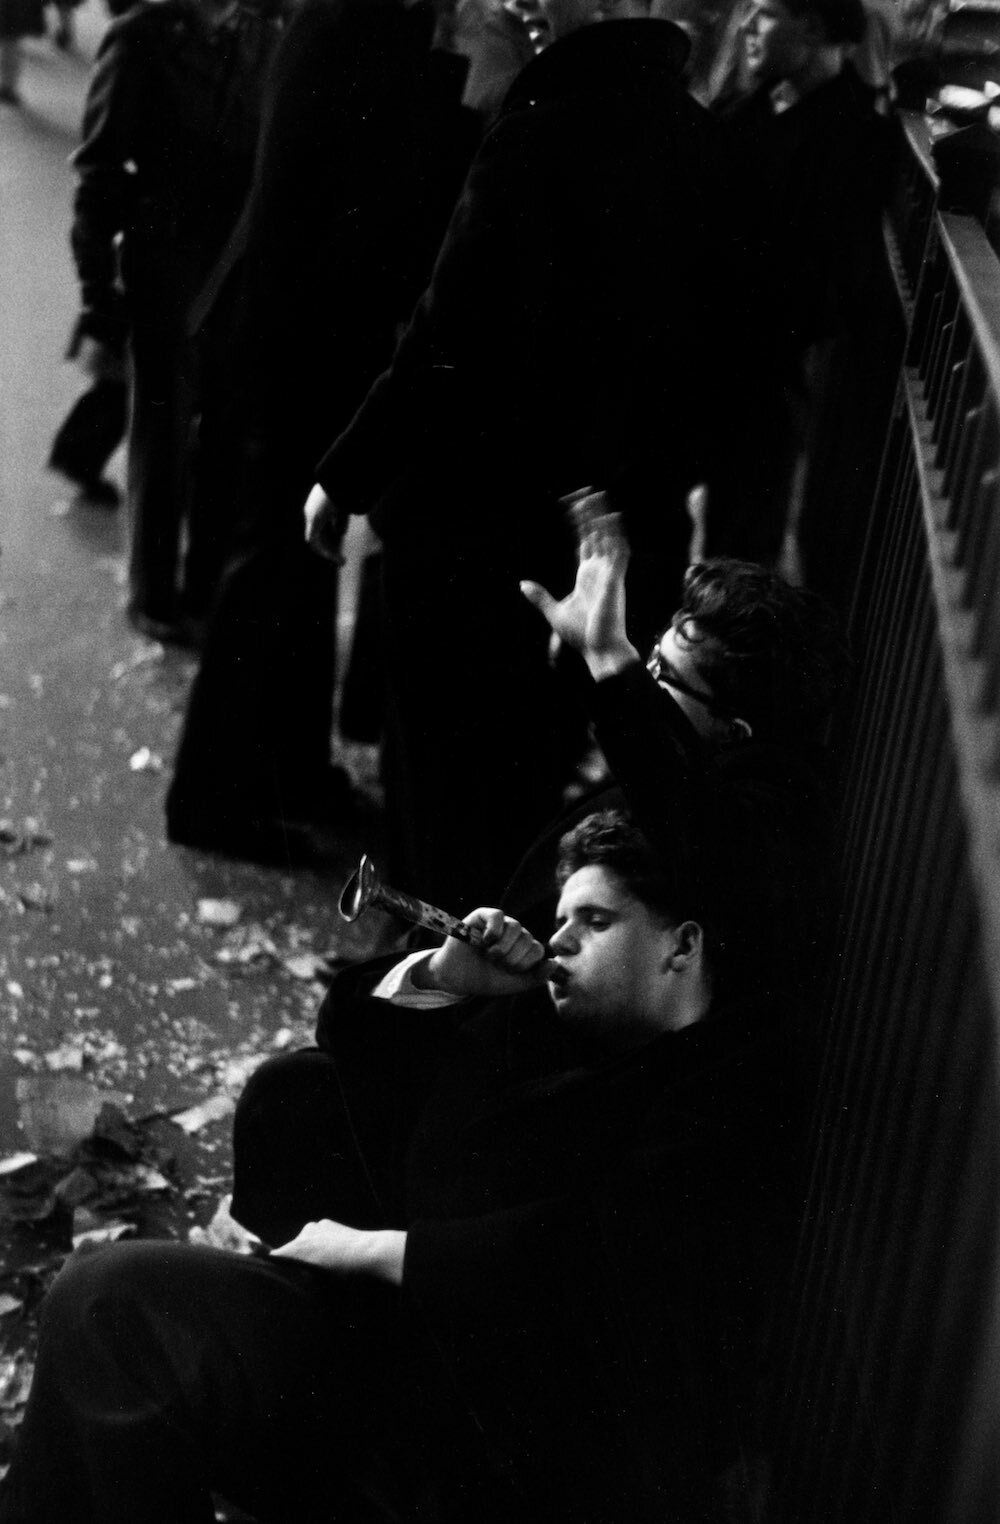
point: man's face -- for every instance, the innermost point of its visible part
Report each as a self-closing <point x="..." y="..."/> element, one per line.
<point x="616" y="959"/>
<point x="777" y="44"/>
<point x="675" y="664"/>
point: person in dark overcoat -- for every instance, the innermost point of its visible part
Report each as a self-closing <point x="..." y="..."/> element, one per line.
<point x="169" y="135"/>
<point x="18" y="19"/>
<point x="567" y="339"/>
<point x="557" y="1309"/>
<point x="363" y="151"/>
<point x="812" y="159"/>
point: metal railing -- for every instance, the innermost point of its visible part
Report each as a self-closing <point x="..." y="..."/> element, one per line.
<point x="891" y="1409"/>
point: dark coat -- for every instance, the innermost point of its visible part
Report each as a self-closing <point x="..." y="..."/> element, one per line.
<point x="363" y="150"/>
<point x="571" y="305"/>
<point x="168" y="140"/>
<point x="595" y="1245"/>
<point x="754" y="820"/>
<point x="353" y="185"/>
<point x="561" y="342"/>
<point x="814" y="180"/>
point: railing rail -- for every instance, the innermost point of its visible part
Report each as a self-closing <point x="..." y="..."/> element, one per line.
<point x="892" y="1403"/>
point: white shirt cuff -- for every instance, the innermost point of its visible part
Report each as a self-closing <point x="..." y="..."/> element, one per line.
<point x="397" y="985"/>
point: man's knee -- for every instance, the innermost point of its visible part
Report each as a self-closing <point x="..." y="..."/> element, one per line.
<point x="278" y="1081"/>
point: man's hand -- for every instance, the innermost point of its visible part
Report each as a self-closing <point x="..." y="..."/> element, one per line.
<point x="348" y="1251"/>
<point x="325" y="525"/>
<point x="508" y="960"/>
<point x="592" y="618"/>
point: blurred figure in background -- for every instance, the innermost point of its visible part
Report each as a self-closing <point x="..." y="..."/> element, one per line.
<point x="497" y="44"/>
<point x="811" y="159"/>
<point x="95" y="425"/>
<point x="362" y="153"/>
<point x="169" y="133"/>
<point x="18" y="19"/>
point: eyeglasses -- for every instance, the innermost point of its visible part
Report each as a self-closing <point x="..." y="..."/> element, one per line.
<point x="666" y="676"/>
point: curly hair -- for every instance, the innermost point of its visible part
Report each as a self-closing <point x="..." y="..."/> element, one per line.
<point x="773" y="654"/>
<point x="670" y="893"/>
<point x="608" y="839"/>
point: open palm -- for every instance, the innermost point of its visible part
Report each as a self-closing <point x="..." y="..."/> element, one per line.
<point x="591" y="618"/>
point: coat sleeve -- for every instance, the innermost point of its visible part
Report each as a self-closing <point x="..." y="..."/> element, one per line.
<point x="609" y="1343"/>
<point x="106" y="163"/>
<point x="421" y="404"/>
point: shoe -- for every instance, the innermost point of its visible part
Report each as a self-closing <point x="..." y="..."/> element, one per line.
<point x="99" y="493"/>
<point x="95" y="491"/>
<point x="188" y="633"/>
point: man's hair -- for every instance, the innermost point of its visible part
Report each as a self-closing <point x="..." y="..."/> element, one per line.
<point x="773" y="655"/>
<point x="843" y="21"/>
<point x="608" y="839"/>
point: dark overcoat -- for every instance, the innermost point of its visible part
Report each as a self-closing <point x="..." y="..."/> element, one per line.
<point x="353" y="185"/>
<point x="566" y="338"/>
<point x="169" y="133"/>
<point x="595" y="1244"/>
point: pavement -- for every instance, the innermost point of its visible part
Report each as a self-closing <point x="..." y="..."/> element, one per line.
<point x="119" y="973"/>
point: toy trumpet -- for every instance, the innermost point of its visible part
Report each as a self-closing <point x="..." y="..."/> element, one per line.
<point x="365" y="888"/>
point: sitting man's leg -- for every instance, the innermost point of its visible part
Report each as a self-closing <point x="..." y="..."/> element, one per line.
<point x="167" y="1371"/>
<point x="296" y="1158"/>
<point x="324" y="1132"/>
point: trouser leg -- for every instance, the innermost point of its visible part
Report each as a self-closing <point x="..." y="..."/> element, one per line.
<point x="158" y="478"/>
<point x="319" y="1134"/>
<point x="255" y="747"/>
<point x="91" y="431"/>
<point x="167" y="1371"/>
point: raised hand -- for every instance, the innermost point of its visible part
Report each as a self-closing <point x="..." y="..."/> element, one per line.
<point x="325" y="525"/>
<point x="591" y="618"/>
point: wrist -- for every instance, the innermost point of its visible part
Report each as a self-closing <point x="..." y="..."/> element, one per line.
<point x="608" y="663"/>
<point x="381" y="1252"/>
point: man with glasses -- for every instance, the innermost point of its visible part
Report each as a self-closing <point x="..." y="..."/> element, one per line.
<point x="753" y="669"/>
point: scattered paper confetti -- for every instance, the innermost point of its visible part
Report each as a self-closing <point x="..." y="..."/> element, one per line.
<point x="15" y="1162"/>
<point x="81" y="865"/>
<point x="145" y="656"/>
<point x="224" y="1232"/>
<point x="219" y="912"/>
<point x="312" y="966"/>
<point x="57" y="1111"/>
<point x="108" y="1234"/>
<point x="215" y="1109"/>
<point x="145" y="761"/>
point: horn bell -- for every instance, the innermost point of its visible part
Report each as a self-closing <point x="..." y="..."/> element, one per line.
<point x="360" y="891"/>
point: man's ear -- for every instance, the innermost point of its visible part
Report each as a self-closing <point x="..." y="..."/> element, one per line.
<point x="740" y="730"/>
<point x="688" y="945"/>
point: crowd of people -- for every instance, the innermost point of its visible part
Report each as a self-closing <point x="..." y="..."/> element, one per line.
<point x="519" y="284"/>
